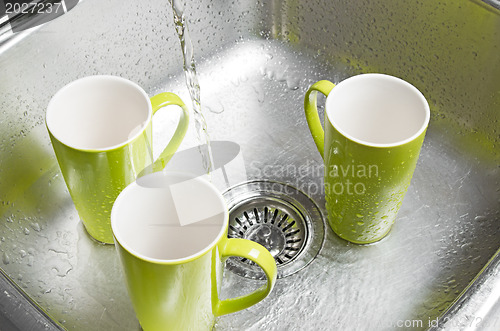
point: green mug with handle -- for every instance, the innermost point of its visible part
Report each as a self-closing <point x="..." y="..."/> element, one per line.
<point x="170" y="232"/>
<point x="101" y="131"/>
<point x="374" y="128"/>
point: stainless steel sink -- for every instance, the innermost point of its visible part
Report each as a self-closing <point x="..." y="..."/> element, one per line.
<point x="256" y="59"/>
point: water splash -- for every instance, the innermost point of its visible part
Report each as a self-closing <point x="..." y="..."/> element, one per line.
<point x="192" y="83"/>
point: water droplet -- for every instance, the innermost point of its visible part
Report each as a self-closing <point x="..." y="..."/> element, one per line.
<point x="260" y="93"/>
<point x="359" y="215"/>
<point x="215" y="108"/>
<point x="31" y="260"/>
<point x="480" y="218"/>
<point x="36" y="227"/>
<point x="293" y="83"/>
<point x="5" y="258"/>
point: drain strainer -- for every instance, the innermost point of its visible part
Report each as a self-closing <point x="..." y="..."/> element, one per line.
<point x="279" y="217"/>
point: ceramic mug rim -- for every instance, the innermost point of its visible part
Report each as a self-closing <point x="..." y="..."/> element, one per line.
<point x="70" y="85"/>
<point x="379" y="76"/>
<point x="122" y="243"/>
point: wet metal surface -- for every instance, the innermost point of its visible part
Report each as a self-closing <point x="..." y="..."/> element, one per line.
<point x="279" y="217"/>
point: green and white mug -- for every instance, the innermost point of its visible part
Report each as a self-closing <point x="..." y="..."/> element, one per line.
<point x="101" y="131"/>
<point x="374" y="128"/>
<point x="170" y="232"/>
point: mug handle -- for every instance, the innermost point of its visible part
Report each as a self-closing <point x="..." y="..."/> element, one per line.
<point x="311" y="111"/>
<point x="261" y="256"/>
<point x="167" y="99"/>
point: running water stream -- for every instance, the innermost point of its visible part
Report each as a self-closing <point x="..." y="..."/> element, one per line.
<point x="192" y="83"/>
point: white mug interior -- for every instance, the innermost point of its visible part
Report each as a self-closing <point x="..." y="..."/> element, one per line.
<point x="377" y="110"/>
<point x="169" y="216"/>
<point x="98" y="113"/>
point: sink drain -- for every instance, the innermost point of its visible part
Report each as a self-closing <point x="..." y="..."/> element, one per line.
<point x="279" y="217"/>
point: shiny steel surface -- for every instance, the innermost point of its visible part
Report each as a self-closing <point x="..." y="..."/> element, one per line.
<point x="279" y="217"/>
<point x="256" y="59"/>
<point x="478" y="307"/>
<point x="18" y="312"/>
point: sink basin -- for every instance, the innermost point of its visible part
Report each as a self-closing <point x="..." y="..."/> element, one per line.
<point x="255" y="61"/>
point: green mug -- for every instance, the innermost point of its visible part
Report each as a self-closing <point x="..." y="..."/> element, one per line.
<point x="374" y="128"/>
<point x="170" y="232"/>
<point x="101" y="131"/>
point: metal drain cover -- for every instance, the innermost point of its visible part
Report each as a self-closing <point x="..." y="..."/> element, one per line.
<point x="279" y="217"/>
